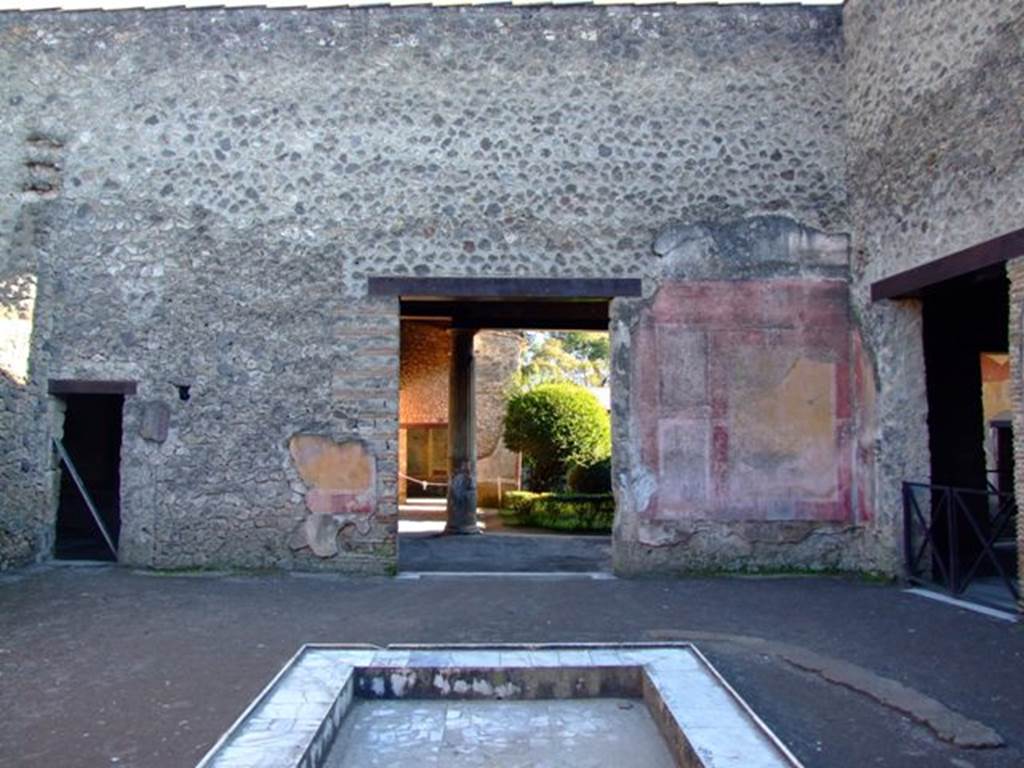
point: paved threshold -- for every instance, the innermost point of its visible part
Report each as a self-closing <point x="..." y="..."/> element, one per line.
<point x="595" y="575"/>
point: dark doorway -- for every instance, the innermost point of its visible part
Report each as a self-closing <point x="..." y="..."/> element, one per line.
<point x="963" y="318"/>
<point x="966" y="323"/>
<point x="92" y="438"/>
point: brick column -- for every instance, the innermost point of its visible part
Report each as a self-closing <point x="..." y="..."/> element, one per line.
<point x="1015" y="271"/>
<point x="461" y="435"/>
<point x="403" y="465"/>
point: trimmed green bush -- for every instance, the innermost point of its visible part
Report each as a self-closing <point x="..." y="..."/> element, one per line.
<point x="518" y="501"/>
<point x="597" y="478"/>
<point x="581" y="512"/>
<point x="557" y="426"/>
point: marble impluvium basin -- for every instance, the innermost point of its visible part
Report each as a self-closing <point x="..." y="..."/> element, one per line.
<point x="584" y="706"/>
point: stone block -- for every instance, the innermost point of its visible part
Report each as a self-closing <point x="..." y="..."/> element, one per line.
<point x="155" y="421"/>
<point x="321" y="534"/>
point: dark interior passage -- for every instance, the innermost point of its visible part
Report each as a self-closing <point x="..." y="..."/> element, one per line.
<point x="964" y="318"/>
<point x="92" y="438"/>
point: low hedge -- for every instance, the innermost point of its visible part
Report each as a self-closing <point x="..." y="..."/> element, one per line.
<point x="589" y="512"/>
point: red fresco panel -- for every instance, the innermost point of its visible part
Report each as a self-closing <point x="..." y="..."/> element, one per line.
<point x="806" y="319"/>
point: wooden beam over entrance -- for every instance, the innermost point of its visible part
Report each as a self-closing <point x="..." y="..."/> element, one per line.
<point x="90" y="387"/>
<point x="523" y="288"/>
<point x="989" y="253"/>
<point x="532" y="315"/>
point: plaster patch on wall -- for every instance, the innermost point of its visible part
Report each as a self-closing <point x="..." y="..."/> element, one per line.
<point x="325" y="464"/>
<point x="341" y="481"/>
<point x="755" y="246"/>
<point x="761" y="433"/>
<point x="155" y="421"/>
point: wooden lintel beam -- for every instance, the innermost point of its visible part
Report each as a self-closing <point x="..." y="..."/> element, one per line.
<point x="90" y="387"/>
<point x="989" y="253"/>
<point x="519" y="288"/>
<point x="537" y="315"/>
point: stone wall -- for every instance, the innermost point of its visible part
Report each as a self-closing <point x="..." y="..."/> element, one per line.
<point x="23" y="460"/>
<point x="496" y="360"/>
<point x="200" y="195"/>
<point x="423" y="374"/>
<point x="934" y="165"/>
<point x="933" y="89"/>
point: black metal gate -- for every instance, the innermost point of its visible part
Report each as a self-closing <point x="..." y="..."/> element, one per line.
<point x="958" y="537"/>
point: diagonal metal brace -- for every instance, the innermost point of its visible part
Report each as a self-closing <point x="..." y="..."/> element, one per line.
<point x="85" y="494"/>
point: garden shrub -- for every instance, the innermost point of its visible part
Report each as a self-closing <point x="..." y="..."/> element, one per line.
<point x="596" y="478"/>
<point x="556" y="426"/>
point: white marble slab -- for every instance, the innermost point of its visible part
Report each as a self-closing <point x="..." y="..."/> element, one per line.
<point x="558" y="733"/>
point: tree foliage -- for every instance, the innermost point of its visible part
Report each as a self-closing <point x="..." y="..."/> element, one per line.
<point x="581" y="357"/>
<point x="557" y="426"/>
<point x="587" y="345"/>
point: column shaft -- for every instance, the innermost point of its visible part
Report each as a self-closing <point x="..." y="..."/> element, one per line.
<point x="461" y="435"/>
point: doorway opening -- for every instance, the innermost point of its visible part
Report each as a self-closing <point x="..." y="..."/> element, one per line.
<point x="972" y="526"/>
<point x="92" y="440"/>
<point x="508" y="364"/>
<point x="477" y="325"/>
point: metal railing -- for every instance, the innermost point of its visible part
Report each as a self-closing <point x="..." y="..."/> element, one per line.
<point x="953" y="537"/>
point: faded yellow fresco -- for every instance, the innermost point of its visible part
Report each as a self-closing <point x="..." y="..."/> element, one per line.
<point x="327" y="465"/>
<point x="782" y="437"/>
